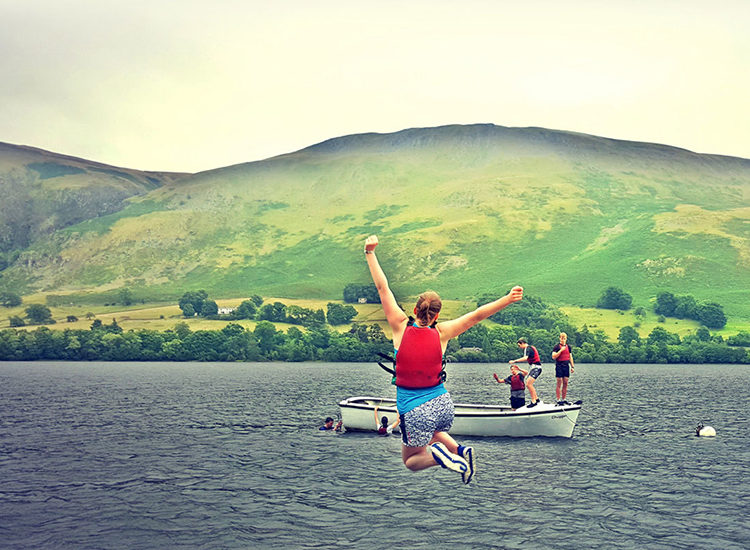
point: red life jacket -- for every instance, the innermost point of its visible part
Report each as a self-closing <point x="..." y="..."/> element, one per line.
<point x="419" y="361"/>
<point x="564" y="353"/>
<point x="516" y="383"/>
<point x="533" y="357"/>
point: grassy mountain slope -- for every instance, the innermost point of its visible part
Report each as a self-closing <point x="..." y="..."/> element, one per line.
<point x="43" y="192"/>
<point x="461" y="209"/>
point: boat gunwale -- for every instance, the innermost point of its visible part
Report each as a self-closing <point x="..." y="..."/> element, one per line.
<point x="497" y="410"/>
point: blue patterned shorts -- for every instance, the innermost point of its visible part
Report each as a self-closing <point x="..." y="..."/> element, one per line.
<point x="420" y="424"/>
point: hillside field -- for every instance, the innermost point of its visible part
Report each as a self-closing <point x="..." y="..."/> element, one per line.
<point x="160" y="317"/>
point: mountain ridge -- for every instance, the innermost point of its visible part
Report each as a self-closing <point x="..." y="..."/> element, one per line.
<point x="462" y="208"/>
<point x="6" y="147"/>
<point x="45" y="191"/>
<point x="348" y="142"/>
<point x="530" y="134"/>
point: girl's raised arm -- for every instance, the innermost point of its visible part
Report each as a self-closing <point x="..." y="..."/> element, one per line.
<point x="393" y="313"/>
<point x="454" y="327"/>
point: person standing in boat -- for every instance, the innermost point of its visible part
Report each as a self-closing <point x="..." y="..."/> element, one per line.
<point x="424" y="405"/>
<point x="517" y="387"/>
<point x="531" y="356"/>
<point x="564" y="365"/>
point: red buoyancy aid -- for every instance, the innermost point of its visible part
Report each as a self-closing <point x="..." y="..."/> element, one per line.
<point x="564" y="353"/>
<point x="533" y="357"/>
<point x="419" y="361"/>
<point x="516" y="383"/>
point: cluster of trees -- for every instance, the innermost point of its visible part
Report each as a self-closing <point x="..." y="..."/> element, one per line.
<point x="10" y="299"/>
<point x="354" y="292"/>
<point x="339" y="314"/>
<point x="108" y="342"/>
<point x="742" y="338"/>
<point x="335" y="314"/>
<point x="709" y="314"/>
<point x="197" y="303"/>
<point x="530" y="312"/>
<point x="36" y="314"/>
<point x="125" y="296"/>
<point x="540" y="323"/>
<point x="482" y="343"/>
<point x="614" y="298"/>
<point x="496" y="344"/>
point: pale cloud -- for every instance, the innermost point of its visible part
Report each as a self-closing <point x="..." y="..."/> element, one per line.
<point x="190" y="84"/>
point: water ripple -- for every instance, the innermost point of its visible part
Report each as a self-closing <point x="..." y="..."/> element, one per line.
<point x="229" y="456"/>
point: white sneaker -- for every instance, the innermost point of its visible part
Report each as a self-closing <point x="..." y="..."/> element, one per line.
<point x="447" y="459"/>
<point x="468" y="456"/>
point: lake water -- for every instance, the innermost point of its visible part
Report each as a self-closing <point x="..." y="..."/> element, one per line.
<point x="167" y="455"/>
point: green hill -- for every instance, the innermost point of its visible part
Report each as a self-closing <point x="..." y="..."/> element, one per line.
<point x="43" y="192"/>
<point x="465" y="210"/>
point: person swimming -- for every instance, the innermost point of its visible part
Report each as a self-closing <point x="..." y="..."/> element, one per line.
<point x="382" y="426"/>
<point x="328" y="425"/>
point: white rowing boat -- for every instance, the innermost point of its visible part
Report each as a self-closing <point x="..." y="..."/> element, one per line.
<point x="547" y="420"/>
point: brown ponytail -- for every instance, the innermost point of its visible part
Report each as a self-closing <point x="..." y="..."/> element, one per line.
<point x="429" y="305"/>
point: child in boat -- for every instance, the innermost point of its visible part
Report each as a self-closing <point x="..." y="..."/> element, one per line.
<point x="564" y="366"/>
<point x="530" y="356"/>
<point x="382" y="424"/>
<point x="517" y="386"/>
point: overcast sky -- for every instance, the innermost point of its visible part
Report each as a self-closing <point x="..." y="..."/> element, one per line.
<point x="190" y="85"/>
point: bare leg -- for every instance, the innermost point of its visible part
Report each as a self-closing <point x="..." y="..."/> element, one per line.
<point x="532" y="389"/>
<point x="565" y="388"/>
<point x="558" y="389"/>
<point x="417" y="458"/>
<point x="446" y="440"/>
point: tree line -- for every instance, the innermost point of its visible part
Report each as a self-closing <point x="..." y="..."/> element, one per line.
<point x="319" y="342"/>
<point x="709" y="314"/>
<point x="497" y="344"/>
<point x="233" y="342"/>
<point x="316" y="340"/>
<point x="198" y="304"/>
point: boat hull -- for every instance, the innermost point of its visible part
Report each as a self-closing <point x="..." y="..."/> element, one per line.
<point x="543" y="420"/>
